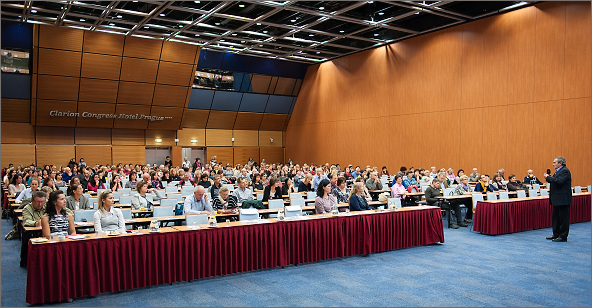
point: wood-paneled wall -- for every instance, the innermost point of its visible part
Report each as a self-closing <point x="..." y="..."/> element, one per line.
<point x="511" y="91"/>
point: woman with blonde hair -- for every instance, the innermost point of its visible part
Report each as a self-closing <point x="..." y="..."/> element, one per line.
<point x="357" y="201"/>
<point x="107" y="217"/>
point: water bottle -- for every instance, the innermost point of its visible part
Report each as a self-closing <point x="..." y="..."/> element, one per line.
<point x="334" y="210"/>
<point x="213" y="222"/>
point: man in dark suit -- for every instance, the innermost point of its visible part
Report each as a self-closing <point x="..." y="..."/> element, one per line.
<point x="560" y="199"/>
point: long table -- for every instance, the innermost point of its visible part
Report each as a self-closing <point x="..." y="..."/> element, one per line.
<point x="76" y="268"/>
<point x="514" y="215"/>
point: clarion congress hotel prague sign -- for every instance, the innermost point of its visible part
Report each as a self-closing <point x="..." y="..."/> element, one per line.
<point x="98" y="116"/>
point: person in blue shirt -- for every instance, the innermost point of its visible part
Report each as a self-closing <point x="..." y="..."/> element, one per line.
<point x="357" y="201"/>
<point x="356" y="173"/>
<point x="483" y="185"/>
<point x="318" y="178"/>
<point x="410" y="180"/>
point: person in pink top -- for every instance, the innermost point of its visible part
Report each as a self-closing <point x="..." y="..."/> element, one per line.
<point x="398" y="190"/>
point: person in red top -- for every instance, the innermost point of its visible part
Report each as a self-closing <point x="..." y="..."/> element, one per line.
<point x="95" y="184"/>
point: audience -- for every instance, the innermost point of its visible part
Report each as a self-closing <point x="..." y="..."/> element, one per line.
<point x="373" y="183"/>
<point x="107" y="217"/>
<point x="483" y="185"/>
<point x="475" y="176"/>
<point x="397" y="189"/>
<point x="514" y="184"/>
<point x="215" y="187"/>
<point x="461" y="189"/>
<point x="33" y="211"/>
<point x="132" y="181"/>
<point x="497" y="182"/>
<point x="242" y="193"/>
<point x="116" y="183"/>
<point x="305" y="184"/>
<point x="288" y="187"/>
<point x="197" y="203"/>
<point x="56" y="220"/>
<point x="16" y="186"/>
<point x="95" y="184"/>
<point x="27" y="193"/>
<point x="530" y="178"/>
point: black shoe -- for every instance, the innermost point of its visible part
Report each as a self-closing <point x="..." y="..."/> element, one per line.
<point x="453" y="226"/>
<point x="463" y="224"/>
<point x="551" y="237"/>
<point x="560" y="239"/>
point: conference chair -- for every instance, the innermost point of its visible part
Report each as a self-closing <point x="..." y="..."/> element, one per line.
<point x="64" y="189"/>
<point x="589" y="188"/>
<point x="187" y="191"/>
<point x="491" y="196"/>
<point x="503" y="195"/>
<point x="99" y="191"/>
<point x="578" y="189"/>
<point x="448" y="192"/>
<point x="175" y="196"/>
<point x="275" y="204"/>
<point x="521" y="194"/>
<point x="230" y="187"/>
<point x="248" y="214"/>
<point x="536" y="186"/>
<point x="163" y="211"/>
<point x="171" y="189"/>
<point x="472" y="188"/>
<point x="532" y="193"/>
<point x="394" y="202"/>
<point x="476" y="198"/>
<point x="295" y="195"/>
<point x="187" y="187"/>
<point x="92" y="202"/>
<point x="126" y="191"/>
<point x="86" y="216"/>
<point x="311" y="195"/>
<point x="293" y="210"/>
<point x="125" y="200"/>
<point x="259" y="196"/>
<point x="199" y="219"/>
<point x="117" y="195"/>
<point x="298" y="202"/>
<point x="424" y="187"/>
<point x="548" y="185"/>
<point x="544" y="192"/>
<point x="127" y="214"/>
<point x="169" y="202"/>
<point x="107" y="184"/>
<point x="172" y="183"/>
<point x="133" y="193"/>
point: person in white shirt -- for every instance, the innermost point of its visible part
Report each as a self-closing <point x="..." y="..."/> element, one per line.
<point x="107" y="217"/>
<point x="27" y="193"/>
<point x="186" y="163"/>
<point x="242" y="193"/>
<point x="197" y="203"/>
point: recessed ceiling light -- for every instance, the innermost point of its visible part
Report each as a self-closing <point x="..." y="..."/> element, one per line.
<point x="258" y="24"/>
<point x="241" y="5"/>
<point x="33" y="11"/>
<point x="111" y="24"/>
<point x="234" y="34"/>
<point x="62" y="8"/>
<point x="375" y="34"/>
<point x="341" y="31"/>
<point x="243" y="42"/>
<point x="180" y="26"/>
<point x="119" y="16"/>
<point x="321" y="8"/>
<point x="293" y="20"/>
<point x="146" y="27"/>
<point x="318" y="52"/>
<point x="197" y="35"/>
<point x="380" y="13"/>
<point x="217" y="24"/>
<point x="311" y="35"/>
<point x="370" y="1"/>
<point x="162" y="14"/>
<point x="260" y="45"/>
<point x="416" y="13"/>
<point x="82" y="19"/>
<point x="196" y="1"/>
<point x="264" y="31"/>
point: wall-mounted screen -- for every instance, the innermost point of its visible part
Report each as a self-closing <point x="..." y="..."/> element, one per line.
<point x="214" y="79"/>
<point x="15" y="61"/>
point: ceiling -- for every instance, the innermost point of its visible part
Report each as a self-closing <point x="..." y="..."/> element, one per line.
<point x="302" y="31"/>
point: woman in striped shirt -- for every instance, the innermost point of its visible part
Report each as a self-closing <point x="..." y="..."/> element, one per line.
<point x="56" y="220"/>
<point x="224" y="200"/>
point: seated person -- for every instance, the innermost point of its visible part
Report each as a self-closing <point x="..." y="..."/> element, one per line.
<point x="475" y="176"/>
<point x="116" y="183"/>
<point x="197" y="203"/>
<point x="530" y="178"/>
<point x="365" y="193"/>
<point x="461" y="189"/>
<point x="497" y="182"/>
<point x="33" y="212"/>
<point x="432" y="193"/>
<point x="324" y="200"/>
<point x="242" y="193"/>
<point x="145" y="197"/>
<point x="514" y="184"/>
<point x="215" y="187"/>
<point x="398" y="190"/>
<point x="224" y="200"/>
<point x="341" y="191"/>
<point x="288" y="187"/>
<point x="77" y="201"/>
<point x="444" y="181"/>
<point x="319" y="176"/>
<point x="357" y="201"/>
<point x="56" y="220"/>
<point x="273" y="190"/>
<point x="306" y="183"/>
<point x="95" y="184"/>
<point x="410" y="181"/>
<point x="228" y="171"/>
<point x="133" y="181"/>
<point x="27" y="193"/>
<point x="16" y="185"/>
<point x="107" y="217"/>
<point x="204" y="180"/>
<point x="156" y="183"/>
<point x="186" y="181"/>
<point x="483" y="185"/>
<point x="373" y="183"/>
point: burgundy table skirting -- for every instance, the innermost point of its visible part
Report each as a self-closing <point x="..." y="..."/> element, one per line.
<point x="56" y="272"/>
<point x="509" y="217"/>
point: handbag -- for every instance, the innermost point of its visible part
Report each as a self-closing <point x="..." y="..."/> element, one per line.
<point x="253" y="203"/>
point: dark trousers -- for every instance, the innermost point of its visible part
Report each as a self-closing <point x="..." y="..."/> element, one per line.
<point x="468" y="202"/>
<point x="560" y="220"/>
<point x="451" y="206"/>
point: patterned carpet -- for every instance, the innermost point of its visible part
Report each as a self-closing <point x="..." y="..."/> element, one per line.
<point x="469" y="269"/>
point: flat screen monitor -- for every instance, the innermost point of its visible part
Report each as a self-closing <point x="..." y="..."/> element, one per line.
<point x="15" y="61"/>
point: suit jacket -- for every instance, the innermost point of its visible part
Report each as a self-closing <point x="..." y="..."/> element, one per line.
<point x="560" y="191"/>
<point x="84" y="204"/>
<point x="267" y="193"/>
<point x="139" y="202"/>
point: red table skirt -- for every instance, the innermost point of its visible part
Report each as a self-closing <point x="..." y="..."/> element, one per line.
<point x="56" y="272"/>
<point x="509" y="217"/>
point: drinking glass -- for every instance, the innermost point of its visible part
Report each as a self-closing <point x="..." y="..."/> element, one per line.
<point x="139" y="230"/>
<point x="228" y="222"/>
<point x="194" y="225"/>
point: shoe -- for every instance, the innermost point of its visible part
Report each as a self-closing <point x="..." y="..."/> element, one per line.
<point x="467" y="220"/>
<point x="453" y="226"/>
<point x="463" y="224"/>
<point x="552" y="237"/>
<point x="560" y="239"/>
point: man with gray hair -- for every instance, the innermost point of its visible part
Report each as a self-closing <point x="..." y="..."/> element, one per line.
<point x="197" y="203"/>
<point x="501" y="173"/>
<point x="242" y="193"/>
<point x="475" y="176"/>
<point x="560" y="199"/>
<point x="373" y="183"/>
<point x="318" y="177"/>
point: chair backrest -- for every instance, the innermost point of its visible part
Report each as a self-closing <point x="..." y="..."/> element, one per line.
<point x="311" y="195"/>
<point x="503" y="195"/>
<point x="473" y="188"/>
<point x="297" y="201"/>
<point x="92" y="202"/>
<point x="293" y="210"/>
<point x="335" y="199"/>
<point x="169" y="202"/>
<point x="116" y="195"/>
<point x="589" y="188"/>
<point x="448" y="191"/>
<point x="187" y="187"/>
<point x="521" y="194"/>
<point x="127" y="213"/>
<point x="133" y="193"/>
<point x="64" y="189"/>
<point x="295" y="195"/>
<point x="544" y="192"/>
<point x="107" y="184"/>
<point x="536" y="186"/>
<point x="548" y="185"/>
<point x="171" y="189"/>
<point x="125" y="191"/>
<point x="578" y="189"/>
<point x="187" y="192"/>
<point x="276" y="203"/>
<point x="248" y="214"/>
<point x="162" y="211"/>
<point x="259" y="196"/>
<point x="125" y="200"/>
<point x="86" y="214"/>
<point x="476" y="198"/>
<point x="491" y="196"/>
<point x="99" y="191"/>
<point x="230" y="186"/>
<point x="175" y="196"/>
<point x="172" y="183"/>
<point x="532" y="193"/>
<point x="200" y="219"/>
<point x="424" y="187"/>
<point x="394" y="202"/>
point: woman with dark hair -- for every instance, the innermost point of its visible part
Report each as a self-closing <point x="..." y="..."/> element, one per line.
<point x="324" y="200"/>
<point x="116" y="183"/>
<point x="288" y="187"/>
<point x="204" y="181"/>
<point x="95" y="184"/>
<point x="77" y="200"/>
<point x="49" y="183"/>
<point x="132" y="180"/>
<point x="16" y="184"/>
<point x="257" y="184"/>
<point x="341" y="191"/>
<point x="166" y="177"/>
<point x="56" y="220"/>
<point x="58" y="180"/>
<point x="273" y="190"/>
<point x="197" y="164"/>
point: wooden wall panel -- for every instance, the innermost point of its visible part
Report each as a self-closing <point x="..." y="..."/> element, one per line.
<point x="272" y="155"/>
<point x="98" y="90"/>
<point x="576" y="139"/>
<point x="242" y="154"/>
<point x="221" y="119"/>
<point x="60" y="38"/>
<point x="548" y="120"/>
<point x="142" y="48"/>
<point x="131" y="110"/>
<point x="179" y="52"/>
<point x="94" y="154"/>
<point x="57" y="87"/>
<point x="168" y="137"/>
<point x="248" y="120"/>
<point x="176" y="156"/>
<point x="54" y="154"/>
<point x="495" y="148"/>
<point x="265" y="136"/>
<point x="103" y="43"/>
<point x="195" y="118"/>
<point x="128" y="136"/>
<point x="17" y="133"/>
<point x="172" y="118"/>
<point x="17" y="154"/>
<point x="16" y="110"/>
<point x="273" y="121"/>
<point x="138" y="70"/>
<point x="101" y="66"/>
<point x="98" y="120"/>
<point x="135" y="93"/>
<point x="59" y="62"/>
<point x="520" y="141"/>
<point x="52" y="135"/>
<point x="175" y="73"/>
<point x="174" y="96"/>
<point x="260" y="83"/>
<point x="272" y="85"/>
<point x="218" y="137"/>
<point x="577" y="50"/>
<point x="246" y="138"/>
<point x="223" y="154"/>
<point x="521" y="44"/>
<point x="128" y="154"/>
<point x="187" y="134"/>
<point x="472" y="64"/>
<point x="92" y="136"/>
<point x="44" y="107"/>
<point x="284" y="86"/>
<point x="495" y="69"/>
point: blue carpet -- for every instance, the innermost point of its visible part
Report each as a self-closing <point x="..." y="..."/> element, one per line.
<point x="469" y="269"/>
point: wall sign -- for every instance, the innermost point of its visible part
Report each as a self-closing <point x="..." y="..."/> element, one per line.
<point x="98" y="116"/>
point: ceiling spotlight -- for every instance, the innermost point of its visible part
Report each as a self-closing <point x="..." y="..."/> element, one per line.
<point x="119" y="16"/>
<point x="217" y="24"/>
<point x="318" y="52"/>
<point x="33" y="11"/>
<point x="260" y="45"/>
<point x="111" y="24"/>
<point x="241" y="5"/>
<point x="321" y="8"/>
<point x="416" y="13"/>
<point x="258" y="24"/>
<point x="293" y="20"/>
<point x="196" y="1"/>
<point x="341" y="31"/>
<point x="264" y="31"/>
<point x="243" y="42"/>
<point x="370" y="1"/>
<point x="82" y="19"/>
<point x="180" y="26"/>
<point x="134" y="1"/>
<point x="375" y="34"/>
<point x="234" y="34"/>
<point x="162" y="14"/>
<point x="380" y="13"/>
<point x="197" y="35"/>
<point x="221" y="40"/>
<point x="146" y="27"/>
<point x="61" y="8"/>
<point x="311" y="35"/>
